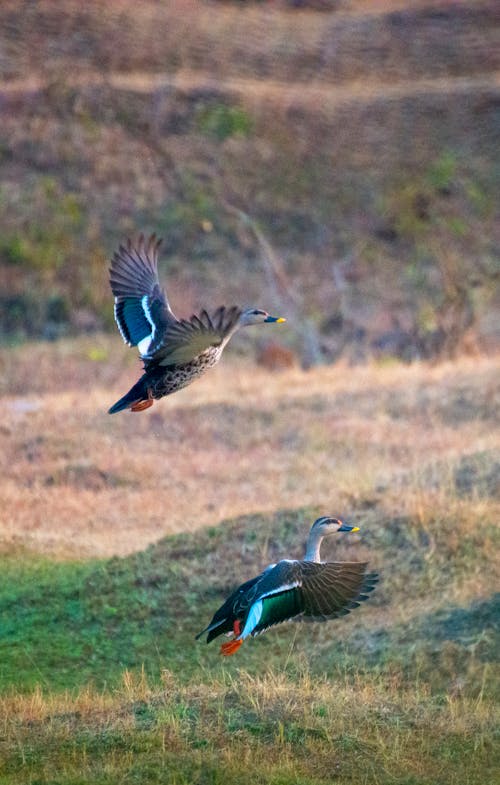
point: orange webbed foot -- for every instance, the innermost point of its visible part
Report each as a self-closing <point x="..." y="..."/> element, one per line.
<point x="231" y="647"/>
<point x="139" y="406"/>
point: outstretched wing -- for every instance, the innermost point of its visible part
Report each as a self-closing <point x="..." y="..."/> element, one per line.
<point x="333" y="589"/>
<point x="142" y="311"/>
<point x="307" y="591"/>
<point x="186" y="339"/>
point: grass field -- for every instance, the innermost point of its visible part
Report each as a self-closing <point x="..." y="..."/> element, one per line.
<point x="121" y="535"/>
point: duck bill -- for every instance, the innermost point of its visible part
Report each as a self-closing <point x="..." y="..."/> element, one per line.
<point x="277" y="319"/>
<point x="346" y="528"/>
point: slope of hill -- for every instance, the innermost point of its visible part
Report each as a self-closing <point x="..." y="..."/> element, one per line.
<point x="362" y="147"/>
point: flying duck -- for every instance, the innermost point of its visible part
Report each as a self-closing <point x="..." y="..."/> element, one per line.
<point x="292" y="590"/>
<point x="174" y="351"/>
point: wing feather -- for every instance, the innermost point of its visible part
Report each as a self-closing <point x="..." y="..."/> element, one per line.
<point x="333" y="589"/>
<point x="321" y="591"/>
<point x="206" y="320"/>
<point x="237" y="603"/>
<point x="142" y="310"/>
<point x="187" y="339"/>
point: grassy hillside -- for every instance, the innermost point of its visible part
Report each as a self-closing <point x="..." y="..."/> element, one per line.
<point x="240" y="440"/>
<point x="67" y="624"/>
<point x="403" y="692"/>
<point x="101" y="678"/>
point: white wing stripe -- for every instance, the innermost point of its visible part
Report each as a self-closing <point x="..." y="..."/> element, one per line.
<point x="125" y="339"/>
<point x="279" y="589"/>
<point x="147" y="312"/>
<point x="144" y="345"/>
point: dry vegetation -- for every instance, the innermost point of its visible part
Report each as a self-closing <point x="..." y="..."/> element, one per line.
<point x="243" y="730"/>
<point x="76" y="480"/>
<point x="363" y="148"/>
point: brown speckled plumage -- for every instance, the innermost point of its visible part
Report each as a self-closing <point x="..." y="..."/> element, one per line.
<point x="164" y="380"/>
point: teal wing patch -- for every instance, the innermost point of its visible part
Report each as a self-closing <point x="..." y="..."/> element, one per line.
<point x="279" y="608"/>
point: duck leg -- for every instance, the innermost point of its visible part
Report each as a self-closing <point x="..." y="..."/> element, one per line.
<point x="139" y="406"/>
<point x="233" y="645"/>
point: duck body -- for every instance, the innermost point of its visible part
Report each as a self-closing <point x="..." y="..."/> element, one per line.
<point x="164" y="376"/>
<point x="157" y="382"/>
<point x="164" y="380"/>
<point x="174" y="351"/>
<point x="293" y="590"/>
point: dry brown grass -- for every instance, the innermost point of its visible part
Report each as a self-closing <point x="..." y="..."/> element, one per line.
<point x="76" y="481"/>
<point x="249" y="730"/>
<point x="242" y="38"/>
<point x="164" y="116"/>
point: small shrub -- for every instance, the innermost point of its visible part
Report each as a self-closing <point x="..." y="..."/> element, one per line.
<point x="12" y="250"/>
<point x="221" y="122"/>
<point x="442" y="173"/>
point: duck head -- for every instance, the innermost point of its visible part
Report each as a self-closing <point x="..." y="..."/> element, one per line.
<point x="257" y="316"/>
<point x="326" y="526"/>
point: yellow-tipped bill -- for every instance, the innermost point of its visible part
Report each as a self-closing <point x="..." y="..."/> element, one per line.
<point x="275" y="319"/>
<point x="346" y="528"/>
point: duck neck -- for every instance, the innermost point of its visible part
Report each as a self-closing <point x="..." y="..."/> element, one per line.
<point x="313" y="547"/>
<point x="229" y="335"/>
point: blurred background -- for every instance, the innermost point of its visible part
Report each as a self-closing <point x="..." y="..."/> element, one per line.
<point x="337" y="160"/>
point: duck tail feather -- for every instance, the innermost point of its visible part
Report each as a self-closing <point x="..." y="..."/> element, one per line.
<point x="139" y="392"/>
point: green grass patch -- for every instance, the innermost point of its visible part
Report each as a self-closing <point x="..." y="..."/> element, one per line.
<point x="221" y="121"/>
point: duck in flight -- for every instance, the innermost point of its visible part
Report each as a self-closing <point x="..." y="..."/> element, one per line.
<point x="292" y="590"/>
<point x="174" y="351"/>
